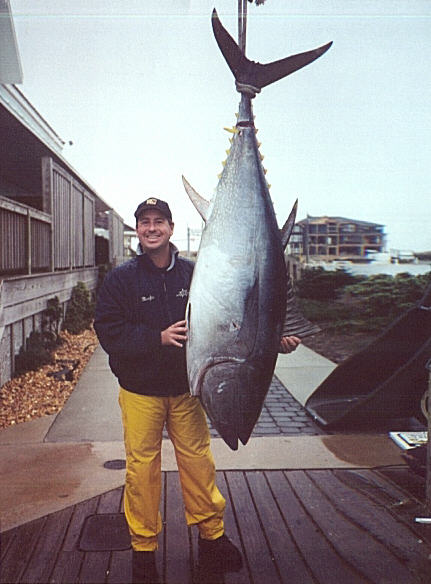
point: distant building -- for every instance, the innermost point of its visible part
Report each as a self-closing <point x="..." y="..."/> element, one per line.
<point x="336" y="238"/>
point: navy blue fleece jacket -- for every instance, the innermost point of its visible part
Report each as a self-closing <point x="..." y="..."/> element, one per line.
<point x="135" y="303"/>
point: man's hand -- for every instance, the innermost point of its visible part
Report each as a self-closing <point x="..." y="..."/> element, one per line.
<point x="175" y="334"/>
<point x="289" y="344"/>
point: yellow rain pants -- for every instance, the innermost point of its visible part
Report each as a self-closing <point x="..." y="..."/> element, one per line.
<point x="143" y="420"/>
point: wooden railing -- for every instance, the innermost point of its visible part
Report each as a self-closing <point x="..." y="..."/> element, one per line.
<point x="73" y="213"/>
<point x="116" y="238"/>
<point x="25" y="239"/>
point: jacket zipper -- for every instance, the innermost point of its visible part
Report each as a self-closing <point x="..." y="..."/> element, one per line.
<point x="168" y="312"/>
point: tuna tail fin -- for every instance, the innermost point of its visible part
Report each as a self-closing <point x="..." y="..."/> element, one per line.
<point x="199" y="202"/>
<point x="255" y="75"/>
<point x="287" y="229"/>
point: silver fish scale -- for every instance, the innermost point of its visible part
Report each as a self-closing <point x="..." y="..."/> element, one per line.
<point x="240" y="251"/>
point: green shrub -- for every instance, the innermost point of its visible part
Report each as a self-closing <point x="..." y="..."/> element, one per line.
<point x="319" y="284"/>
<point x="386" y="297"/>
<point x="33" y="354"/>
<point x="369" y="305"/>
<point x="51" y="318"/>
<point x="324" y="311"/>
<point x="80" y="310"/>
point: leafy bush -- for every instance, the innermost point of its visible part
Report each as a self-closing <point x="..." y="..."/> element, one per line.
<point x="319" y="284"/>
<point x="324" y="311"/>
<point x="369" y="304"/>
<point x="383" y="296"/>
<point x="51" y="318"/>
<point x="80" y="310"/>
<point x="37" y="348"/>
<point x="33" y="354"/>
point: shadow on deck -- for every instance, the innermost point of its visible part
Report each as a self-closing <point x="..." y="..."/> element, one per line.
<point x="296" y="527"/>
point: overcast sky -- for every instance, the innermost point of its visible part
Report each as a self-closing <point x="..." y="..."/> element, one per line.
<point x="142" y="91"/>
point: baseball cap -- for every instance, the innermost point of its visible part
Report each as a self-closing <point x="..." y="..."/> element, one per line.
<point x="153" y="203"/>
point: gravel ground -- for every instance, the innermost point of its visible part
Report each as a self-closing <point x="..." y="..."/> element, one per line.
<point x="45" y="391"/>
<point x="338" y="346"/>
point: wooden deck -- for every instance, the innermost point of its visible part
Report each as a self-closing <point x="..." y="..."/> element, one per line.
<point x="296" y="527"/>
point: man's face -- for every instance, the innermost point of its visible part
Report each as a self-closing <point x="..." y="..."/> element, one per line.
<point x="153" y="230"/>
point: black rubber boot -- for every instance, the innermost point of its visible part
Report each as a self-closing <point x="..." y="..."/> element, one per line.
<point x="144" y="570"/>
<point x="219" y="555"/>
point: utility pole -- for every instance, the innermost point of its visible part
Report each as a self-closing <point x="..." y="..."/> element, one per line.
<point x="307" y="241"/>
<point x="188" y="241"/>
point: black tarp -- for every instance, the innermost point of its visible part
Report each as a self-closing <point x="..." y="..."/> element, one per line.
<point x="386" y="380"/>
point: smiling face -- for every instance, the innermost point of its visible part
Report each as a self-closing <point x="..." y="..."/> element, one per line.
<point x="154" y="232"/>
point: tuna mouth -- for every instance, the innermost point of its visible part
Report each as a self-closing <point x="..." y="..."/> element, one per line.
<point x="196" y="388"/>
<point x="228" y="398"/>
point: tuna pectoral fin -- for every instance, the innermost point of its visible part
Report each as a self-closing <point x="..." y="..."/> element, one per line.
<point x="295" y="322"/>
<point x="199" y="202"/>
<point x="287" y="229"/>
<point x="255" y="74"/>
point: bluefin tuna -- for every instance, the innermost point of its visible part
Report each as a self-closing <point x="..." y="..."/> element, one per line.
<point x="238" y="295"/>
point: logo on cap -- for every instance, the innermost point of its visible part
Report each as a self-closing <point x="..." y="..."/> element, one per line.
<point x="151" y="202"/>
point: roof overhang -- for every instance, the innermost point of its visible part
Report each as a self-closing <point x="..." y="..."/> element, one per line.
<point x="15" y="102"/>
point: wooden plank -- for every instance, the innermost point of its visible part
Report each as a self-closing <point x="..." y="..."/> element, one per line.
<point x="231" y="530"/>
<point x="362" y="551"/>
<point x="367" y="481"/>
<point x="46" y="168"/>
<point x="110" y="502"/>
<point x="70" y="558"/>
<point x="290" y="563"/>
<point x="67" y="567"/>
<point x="325" y="564"/>
<point x="257" y="554"/>
<point x="24" y="296"/>
<point x="388" y="495"/>
<point x="407" y="480"/>
<point x="6" y="539"/>
<point x="21" y="209"/>
<point x="80" y="513"/>
<point x="376" y="520"/>
<point x="120" y="567"/>
<point x="120" y="564"/>
<point x="48" y="547"/>
<point x="95" y="568"/>
<point x="20" y="551"/>
<point x="177" y="555"/>
<point x="292" y="526"/>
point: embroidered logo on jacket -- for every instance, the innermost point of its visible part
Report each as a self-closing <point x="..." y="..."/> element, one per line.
<point x="147" y="298"/>
<point x="182" y="293"/>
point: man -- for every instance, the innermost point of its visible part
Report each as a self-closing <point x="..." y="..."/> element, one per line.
<point x="140" y="323"/>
